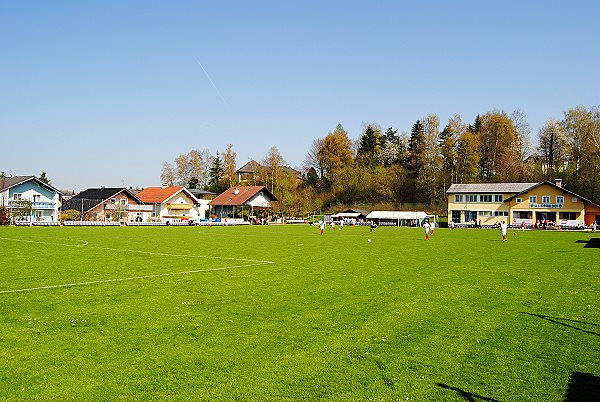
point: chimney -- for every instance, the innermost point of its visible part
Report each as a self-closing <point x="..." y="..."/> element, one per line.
<point x="558" y="182"/>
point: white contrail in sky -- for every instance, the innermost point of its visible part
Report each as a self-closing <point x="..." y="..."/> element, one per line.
<point x="213" y="83"/>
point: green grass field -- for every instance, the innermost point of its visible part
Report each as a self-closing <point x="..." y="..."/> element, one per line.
<point x="283" y="313"/>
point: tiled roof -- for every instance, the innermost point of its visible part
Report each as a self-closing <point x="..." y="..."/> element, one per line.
<point x="250" y="167"/>
<point x="91" y="197"/>
<point x="158" y="194"/>
<point x="10" y="181"/>
<point x="490" y="188"/>
<point x="244" y="193"/>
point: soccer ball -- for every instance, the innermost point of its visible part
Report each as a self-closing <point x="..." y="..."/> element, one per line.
<point x="369" y="240"/>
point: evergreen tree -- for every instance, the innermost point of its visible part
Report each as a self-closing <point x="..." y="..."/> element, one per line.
<point x="416" y="148"/>
<point x="44" y="178"/>
<point x="369" y="148"/>
<point x="215" y="182"/>
<point x="476" y="126"/>
<point x="192" y="183"/>
<point x="391" y="135"/>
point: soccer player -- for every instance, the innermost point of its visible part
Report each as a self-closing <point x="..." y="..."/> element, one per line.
<point x="503" y="228"/>
<point x="322" y="226"/>
<point x="373" y="226"/>
<point x="427" y="228"/>
<point x="431" y="227"/>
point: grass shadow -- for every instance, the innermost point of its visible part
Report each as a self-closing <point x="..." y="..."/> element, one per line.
<point x="565" y="322"/>
<point x="594" y="242"/>
<point x="583" y="387"/>
<point x="468" y="396"/>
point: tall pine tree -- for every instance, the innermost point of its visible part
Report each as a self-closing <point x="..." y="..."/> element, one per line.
<point x="369" y="148"/>
<point x="417" y="148"/>
<point x="215" y="183"/>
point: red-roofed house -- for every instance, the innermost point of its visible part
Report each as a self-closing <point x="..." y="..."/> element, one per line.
<point x="174" y="203"/>
<point x="239" y="196"/>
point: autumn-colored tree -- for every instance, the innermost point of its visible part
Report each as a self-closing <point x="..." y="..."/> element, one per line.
<point x="336" y="152"/>
<point x="499" y="159"/>
<point x="229" y="165"/>
<point x="467" y="157"/>
<point x="583" y="132"/>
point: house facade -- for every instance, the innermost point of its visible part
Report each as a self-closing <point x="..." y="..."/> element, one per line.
<point x="529" y="203"/>
<point x="250" y="197"/>
<point x="171" y="204"/>
<point x="28" y="198"/>
<point x="108" y="204"/>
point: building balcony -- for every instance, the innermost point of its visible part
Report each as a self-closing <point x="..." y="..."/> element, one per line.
<point x="129" y="207"/>
<point x="34" y="205"/>
<point x="180" y="206"/>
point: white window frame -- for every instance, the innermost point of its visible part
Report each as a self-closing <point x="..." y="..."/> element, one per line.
<point x="458" y="198"/>
<point x="519" y="200"/>
<point x="17" y="197"/>
<point x="560" y="199"/>
<point x="485" y="198"/>
<point x="498" y="198"/>
<point x="533" y="199"/>
<point x="545" y="199"/>
<point x="574" y="199"/>
<point x="471" y="198"/>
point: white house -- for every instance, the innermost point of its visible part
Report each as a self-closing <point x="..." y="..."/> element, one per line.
<point x="171" y="204"/>
<point x="28" y="198"/>
<point x="253" y="197"/>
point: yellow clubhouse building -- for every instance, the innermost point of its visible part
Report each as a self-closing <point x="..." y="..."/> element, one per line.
<point x="516" y="203"/>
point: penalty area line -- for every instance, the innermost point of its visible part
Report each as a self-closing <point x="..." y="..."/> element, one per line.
<point x="134" y="278"/>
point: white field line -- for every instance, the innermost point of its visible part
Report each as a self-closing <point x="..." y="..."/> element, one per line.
<point x="83" y="242"/>
<point x="133" y="278"/>
<point x="251" y="263"/>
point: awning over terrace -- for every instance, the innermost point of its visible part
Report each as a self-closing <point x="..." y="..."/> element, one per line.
<point x="399" y="218"/>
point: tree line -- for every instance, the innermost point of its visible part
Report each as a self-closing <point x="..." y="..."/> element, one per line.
<point x="385" y="169"/>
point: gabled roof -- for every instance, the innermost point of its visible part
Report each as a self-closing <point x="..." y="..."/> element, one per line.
<point x="250" y="167"/>
<point x="11" y="181"/>
<point x="555" y="186"/>
<point x="490" y="188"/>
<point x="91" y="197"/>
<point x="232" y="197"/>
<point x="158" y="195"/>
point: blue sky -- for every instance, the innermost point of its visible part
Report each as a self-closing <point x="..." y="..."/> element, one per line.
<point x="102" y="93"/>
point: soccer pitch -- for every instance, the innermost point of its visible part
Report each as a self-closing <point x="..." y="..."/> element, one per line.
<point x="283" y="313"/>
